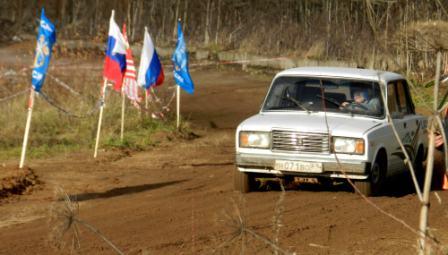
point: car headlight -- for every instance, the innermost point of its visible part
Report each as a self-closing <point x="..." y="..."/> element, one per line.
<point x="348" y="145"/>
<point x="253" y="139"/>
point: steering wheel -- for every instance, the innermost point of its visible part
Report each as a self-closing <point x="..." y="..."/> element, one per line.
<point x="355" y="106"/>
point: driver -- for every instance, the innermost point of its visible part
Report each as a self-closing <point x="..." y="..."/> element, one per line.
<point x="361" y="102"/>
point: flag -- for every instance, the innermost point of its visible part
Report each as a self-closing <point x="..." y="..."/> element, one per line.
<point x="150" y="72"/>
<point x="115" y="63"/>
<point x="180" y="61"/>
<point x="46" y="37"/>
<point x="130" y="87"/>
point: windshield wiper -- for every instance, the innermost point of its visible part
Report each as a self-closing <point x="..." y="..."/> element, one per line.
<point x="330" y="100"/>
<point x="296" y="102"/>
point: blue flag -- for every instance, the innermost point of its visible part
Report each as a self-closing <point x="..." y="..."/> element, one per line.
<point x="180" y="61"/>
<point x="46" y="37"/>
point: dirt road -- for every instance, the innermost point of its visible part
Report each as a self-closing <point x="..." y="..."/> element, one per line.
<point x="177" y="198"/>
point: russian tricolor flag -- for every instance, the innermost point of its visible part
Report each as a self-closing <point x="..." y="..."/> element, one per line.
<point x="115" y="63"/>
<point x="150" y="72"/>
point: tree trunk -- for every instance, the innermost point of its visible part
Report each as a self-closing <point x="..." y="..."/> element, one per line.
<point x="128" y="15"/>
<point x="327" y="48"/>
<point x="218" y="22"/>
<point x="136" y="18"/>
<point x="207" y="24"/>
<point x="163" y="21"/>
<point x="62" y="4"/>
<point x="185" y="15"/>
<point x="176" y="17"/>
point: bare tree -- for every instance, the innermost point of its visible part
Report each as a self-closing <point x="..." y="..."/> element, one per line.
<point x="207" y="23"/>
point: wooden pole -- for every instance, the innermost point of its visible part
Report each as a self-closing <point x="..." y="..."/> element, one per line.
<point x="178" y="106"/>
<point x="429" y="167"/>
<point x="123" y="105"/>
<point x="27" y="128"/>
<point x="103" y="97"/>
<point x="146" y="98"/>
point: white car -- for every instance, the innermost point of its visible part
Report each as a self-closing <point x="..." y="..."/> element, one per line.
<point x="328" y="123"/>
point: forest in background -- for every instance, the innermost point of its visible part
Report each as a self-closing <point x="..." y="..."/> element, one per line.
<point x="364" y="31"/>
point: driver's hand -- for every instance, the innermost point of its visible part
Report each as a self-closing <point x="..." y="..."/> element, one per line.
<point x="344" y="105"/>
<point x="438" y="140"/>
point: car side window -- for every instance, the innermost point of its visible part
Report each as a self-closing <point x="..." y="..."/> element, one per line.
<point x="392" y="103"/>
<point x="403" y="102"/>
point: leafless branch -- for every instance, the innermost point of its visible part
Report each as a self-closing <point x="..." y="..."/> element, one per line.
<point x="64" y="219"/>
<point x="423" y="224"/>
<point x="276" y="219"/>
<point x="240" y="229"/>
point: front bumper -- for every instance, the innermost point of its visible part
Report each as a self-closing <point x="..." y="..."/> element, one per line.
<point x="331" y="167"/>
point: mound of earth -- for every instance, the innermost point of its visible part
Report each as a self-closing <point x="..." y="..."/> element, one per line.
<point x="15" y="181"/>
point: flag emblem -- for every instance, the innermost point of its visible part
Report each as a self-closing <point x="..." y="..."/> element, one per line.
<point x="45" y="39"/>
<point x="180" y="61"/>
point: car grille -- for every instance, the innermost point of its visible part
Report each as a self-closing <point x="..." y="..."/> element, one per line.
<point x="291" y="141"/>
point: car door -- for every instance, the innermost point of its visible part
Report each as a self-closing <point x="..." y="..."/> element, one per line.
<point x="410" y="124"/>
<point x="395" y="153"/>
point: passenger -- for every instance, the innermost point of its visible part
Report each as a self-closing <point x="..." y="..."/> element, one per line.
<point x="361" y="103"/>
<point x="440" y="179"/>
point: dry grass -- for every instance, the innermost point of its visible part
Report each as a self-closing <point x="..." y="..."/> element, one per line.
<point x="243" y="239"/>
<point x="65" y="224"/>
<point x="73" y="125"/>
<point x="429" y="35"/>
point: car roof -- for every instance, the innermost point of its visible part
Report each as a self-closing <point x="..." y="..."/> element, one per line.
<point x="341" y="72"/>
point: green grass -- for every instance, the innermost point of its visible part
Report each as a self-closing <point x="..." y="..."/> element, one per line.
<point x="139" y="137"/>
<point x="50" y="135"/>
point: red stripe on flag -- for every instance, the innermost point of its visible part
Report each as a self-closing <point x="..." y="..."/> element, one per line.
<point x="130" y="88"/>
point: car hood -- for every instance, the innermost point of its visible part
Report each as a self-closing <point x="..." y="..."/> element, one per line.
<point x="314" y="122"/>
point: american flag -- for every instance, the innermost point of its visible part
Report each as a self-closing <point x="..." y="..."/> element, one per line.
<point x="130" y="87"/>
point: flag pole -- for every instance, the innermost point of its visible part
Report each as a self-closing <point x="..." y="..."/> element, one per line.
<point x="123" y="105"/>
<point x="146" y="98"/>
<point x="103" y="97"/>
<point x="178" y="106"/>
<point x="27" y="127"/>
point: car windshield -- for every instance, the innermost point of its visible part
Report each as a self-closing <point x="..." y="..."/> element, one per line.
<point x="324" y="94"/>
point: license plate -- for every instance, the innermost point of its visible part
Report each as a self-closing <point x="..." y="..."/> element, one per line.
<point x="298" y="166"/>
<point x="306" y="180"/>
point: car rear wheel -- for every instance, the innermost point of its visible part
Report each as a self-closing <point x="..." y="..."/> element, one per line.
<point x="243" y="182"/>
<point x="374" y="185"/>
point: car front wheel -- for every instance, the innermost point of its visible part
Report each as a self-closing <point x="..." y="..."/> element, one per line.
<point x="374" y="185"/>
<point x="243" y="182"/>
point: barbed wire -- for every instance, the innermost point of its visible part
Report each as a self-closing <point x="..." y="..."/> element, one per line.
<point x="53" y="103"/>
<point x="153" y="99"/>
<point x="89" y="113"/>
<point x="5" y="99"/>
<point x="157" y="99"/>
<point x="163" y="108"/>
<point x="63" y="84"/>
<point x="66" y="86"/>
